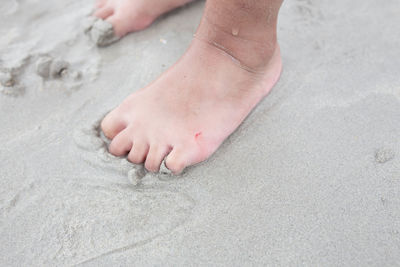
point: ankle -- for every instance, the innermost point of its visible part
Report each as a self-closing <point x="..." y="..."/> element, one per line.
<point x="252" y="52"/>
<point x="249" y="36"/>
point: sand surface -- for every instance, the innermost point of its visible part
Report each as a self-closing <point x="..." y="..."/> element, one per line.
<point x="311" y="178"/>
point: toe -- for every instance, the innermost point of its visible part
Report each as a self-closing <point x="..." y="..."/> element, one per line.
<point x="100" y="3"/>
<point x="104" y="12"/>
<point x="113" y="124"/>
<point x="155" y="156"/>
<point x="138" y="152"/>
<point x="123" y="23"/>
<point x="120" y="27"/>
<point x="121" y="144"/>
<point x="176" y="161"/>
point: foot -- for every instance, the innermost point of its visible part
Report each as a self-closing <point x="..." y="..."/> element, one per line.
<point x="193" y="107"/>
<point x="133" y="15"/>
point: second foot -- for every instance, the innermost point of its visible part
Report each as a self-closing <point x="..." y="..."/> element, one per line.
<point x="187" y="113"/>
<point x="133" y="15"/>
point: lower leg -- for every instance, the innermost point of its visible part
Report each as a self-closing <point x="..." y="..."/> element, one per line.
<point x="246" y="29"/>
<point x="233" y="62"/>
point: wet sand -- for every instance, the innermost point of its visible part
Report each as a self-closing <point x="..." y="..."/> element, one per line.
<point x="312" y="177"/>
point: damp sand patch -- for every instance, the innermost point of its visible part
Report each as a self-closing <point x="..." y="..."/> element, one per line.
<point x="36" y="55"/>
<point x="73" y="223"/>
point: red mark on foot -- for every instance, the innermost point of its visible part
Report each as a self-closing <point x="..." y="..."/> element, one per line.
<point x="197" y="135"/>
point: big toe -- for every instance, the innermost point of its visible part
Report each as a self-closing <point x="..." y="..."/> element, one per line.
<point x="125" y="23"/>
<point x="113" y="124"/>
<point x="104" y="12"/>
<point x="121" y="144"/>
<point x="121" y="26"/>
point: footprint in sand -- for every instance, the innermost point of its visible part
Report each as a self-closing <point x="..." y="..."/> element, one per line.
<point x="15" y="186"/>
<point x="44" y="71"/>
<point x="71" y="223"/>
<point x="37" y="56"/>
<point x="49" y="68"/>
<point x="61" y="72"/>
<point x="64" y="222"/>
<point x="94" y="151"/>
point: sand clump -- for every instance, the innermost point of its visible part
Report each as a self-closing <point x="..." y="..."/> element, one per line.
<point x="384" y="155"/>
<point x="101" y="32"/>
<point x="49" y="68"/>
<point x="46" y="72"/>
<point x="43" y="67"/>
<point x="9" y="84"/>
<point x="6" y="79"/>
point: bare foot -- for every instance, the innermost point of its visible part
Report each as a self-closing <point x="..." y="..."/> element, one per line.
<point x="193" y="107"/>
<point x="133" y="15"/>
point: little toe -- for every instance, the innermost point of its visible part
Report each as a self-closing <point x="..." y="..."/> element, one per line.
<point x="100" y="3"/>
<point x="112" y="124"/>
<point x="121" y="144"/>
<point x="104" y="12"/>
<point x="155" y="157"/>
<point x="176" y="161"/>
<point x="123" y="23"/>
<point x="120" y="26"/>
<point x="138" y="152"/>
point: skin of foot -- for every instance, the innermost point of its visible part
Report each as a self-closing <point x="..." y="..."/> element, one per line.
<point x="186" y="114"/>
<point x="133" y="15"/>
